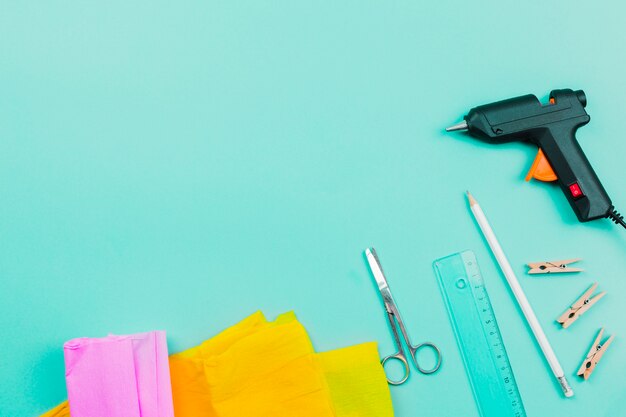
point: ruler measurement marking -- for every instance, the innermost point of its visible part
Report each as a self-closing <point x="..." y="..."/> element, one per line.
<point x="501" y="355"/>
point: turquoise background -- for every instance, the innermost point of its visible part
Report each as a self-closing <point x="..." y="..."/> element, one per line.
<point x="180" y="165"/>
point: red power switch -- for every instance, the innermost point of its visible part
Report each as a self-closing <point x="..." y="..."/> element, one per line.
<point x="575" y="190"/>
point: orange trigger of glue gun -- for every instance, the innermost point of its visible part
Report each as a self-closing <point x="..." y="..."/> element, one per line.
<point x="541" y="169"/>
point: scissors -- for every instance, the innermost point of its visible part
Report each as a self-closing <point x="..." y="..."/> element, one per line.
<point x="395" y="321"/>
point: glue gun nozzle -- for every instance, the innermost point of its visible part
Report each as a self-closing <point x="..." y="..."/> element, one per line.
<point x="458" y="126"/>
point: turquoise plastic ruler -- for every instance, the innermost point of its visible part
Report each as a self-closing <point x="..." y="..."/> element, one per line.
<point x="478" y="336"/>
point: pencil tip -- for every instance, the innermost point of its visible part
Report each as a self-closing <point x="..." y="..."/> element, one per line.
<point x="471" y="199"/>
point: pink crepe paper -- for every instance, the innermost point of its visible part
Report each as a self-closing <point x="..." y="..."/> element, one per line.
<point x="119" y="376"/>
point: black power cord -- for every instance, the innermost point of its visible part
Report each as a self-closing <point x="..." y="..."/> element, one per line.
<point x="616" y="217"/>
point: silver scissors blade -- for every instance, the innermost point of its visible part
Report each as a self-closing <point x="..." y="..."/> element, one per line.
<point x="377" y="270"/>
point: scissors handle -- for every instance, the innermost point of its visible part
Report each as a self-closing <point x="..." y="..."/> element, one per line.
<point x="399" y="357"/>
<point x="433" y="347"/>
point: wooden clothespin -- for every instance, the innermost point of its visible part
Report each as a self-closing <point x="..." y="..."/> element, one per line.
<point x="553" y="267"/>
<point x="580" y="306"/>
<point x="594" y="355"/>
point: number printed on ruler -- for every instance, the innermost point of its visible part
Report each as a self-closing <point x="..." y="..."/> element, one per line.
<point x="498" y="351"/>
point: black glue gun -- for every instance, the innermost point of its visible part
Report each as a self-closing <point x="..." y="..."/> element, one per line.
<point x="552" y="127"/>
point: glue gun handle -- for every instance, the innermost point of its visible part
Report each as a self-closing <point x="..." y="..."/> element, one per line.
<point x="576" y="177"/>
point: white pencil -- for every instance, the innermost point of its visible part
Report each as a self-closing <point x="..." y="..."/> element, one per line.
<point x="529" y="314"/>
